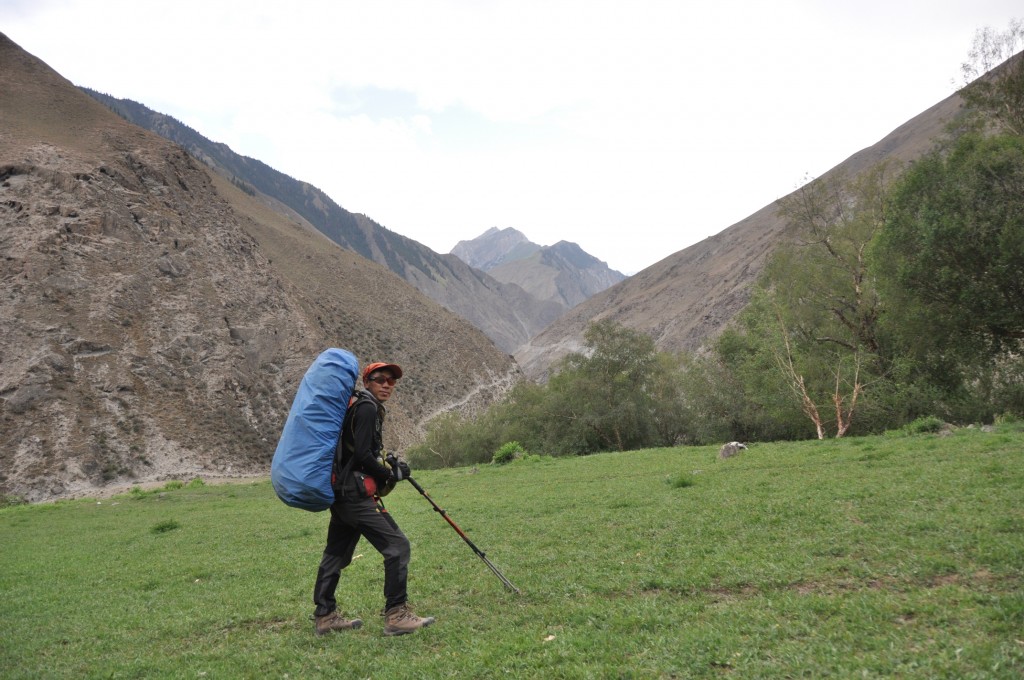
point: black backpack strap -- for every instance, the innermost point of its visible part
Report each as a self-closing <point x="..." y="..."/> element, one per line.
<point x="338" y="480"/>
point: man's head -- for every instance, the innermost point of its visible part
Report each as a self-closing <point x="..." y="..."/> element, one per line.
<point x="380" y="379"/>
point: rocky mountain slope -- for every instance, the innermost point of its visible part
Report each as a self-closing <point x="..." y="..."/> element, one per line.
<point x="504" y="312"/>
<point x="157" y="318"/>
<point x="563" y="273"/>
<point x="686" y="299"/>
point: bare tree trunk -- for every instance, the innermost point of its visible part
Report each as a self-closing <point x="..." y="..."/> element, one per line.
<point x="796" y="382"/>
<point x="844" y="419"/>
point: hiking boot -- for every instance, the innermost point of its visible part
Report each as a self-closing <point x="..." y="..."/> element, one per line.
<point x="400" y="620"/>
<point x="334" y="621"/>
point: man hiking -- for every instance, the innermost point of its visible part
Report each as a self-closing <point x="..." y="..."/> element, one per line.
<point x="362" y="474"/>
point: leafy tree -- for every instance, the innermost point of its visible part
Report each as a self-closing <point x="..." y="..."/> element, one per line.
<point x="667" y="389"/>
<point x="736" y="392"/>
<point x="821" y="277"/>
<point x="948" y="260"/>
<point x="994" y="80"/>
<point x="816" y="311"/>
<point x="951" y="257"/>
<point x="525" y="416"/>
<point x="604" y="398"/>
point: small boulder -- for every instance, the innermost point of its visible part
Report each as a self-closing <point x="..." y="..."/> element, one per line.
<point x="731" y="449"/>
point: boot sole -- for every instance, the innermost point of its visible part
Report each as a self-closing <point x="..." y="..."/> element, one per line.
<point x="392" y="633"/>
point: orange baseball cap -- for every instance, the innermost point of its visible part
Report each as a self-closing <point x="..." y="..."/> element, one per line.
<point x="380" y="365"/>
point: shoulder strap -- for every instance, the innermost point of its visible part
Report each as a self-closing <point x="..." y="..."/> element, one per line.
<point x="340" y="477"/>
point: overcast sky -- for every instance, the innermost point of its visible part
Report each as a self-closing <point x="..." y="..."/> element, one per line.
<point x="634" y="128"/>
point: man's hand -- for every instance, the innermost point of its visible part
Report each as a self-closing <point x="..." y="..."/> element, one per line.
<point x="399" y="468"/>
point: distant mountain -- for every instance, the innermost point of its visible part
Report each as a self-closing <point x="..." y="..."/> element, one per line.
<point x="562" y="273"/>
<point x="687" y="299"/>
<point x="157" y="317"/>
<point x="495" y="247"/>
<point x="506" y="313"/>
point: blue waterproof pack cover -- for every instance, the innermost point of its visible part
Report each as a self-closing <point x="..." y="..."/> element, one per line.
<point x="301" y="469"/>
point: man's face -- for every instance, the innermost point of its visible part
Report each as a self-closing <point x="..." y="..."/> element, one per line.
<point x="381" y="384"/>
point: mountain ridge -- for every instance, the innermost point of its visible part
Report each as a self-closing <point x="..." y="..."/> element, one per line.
<point x="506" y="313"/>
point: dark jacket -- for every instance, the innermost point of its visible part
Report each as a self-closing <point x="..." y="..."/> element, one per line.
<point x="362" y="436"/>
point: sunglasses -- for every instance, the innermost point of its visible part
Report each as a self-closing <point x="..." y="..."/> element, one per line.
<point x="382" y="379"/>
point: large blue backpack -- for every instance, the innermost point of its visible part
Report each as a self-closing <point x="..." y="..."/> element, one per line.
<point x="301" y="469"/>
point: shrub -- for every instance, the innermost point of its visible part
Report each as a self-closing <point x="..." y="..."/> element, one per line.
<point x="681" y="480"/>
<point x="165" y="526"/>
<point x="924" y="425"/>
<point x="454" y="441"/>
<point x="507" y="453"/>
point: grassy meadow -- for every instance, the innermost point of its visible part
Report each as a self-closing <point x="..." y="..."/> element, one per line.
<point x="870" y="557"/>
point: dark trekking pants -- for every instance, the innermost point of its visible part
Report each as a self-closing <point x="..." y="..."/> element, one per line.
<point x="351" y="518"/>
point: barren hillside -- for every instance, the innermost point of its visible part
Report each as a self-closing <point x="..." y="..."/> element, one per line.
<point x="157" y="319"/>
<point x="505" y="312"/>
<point x="686" y="299"/>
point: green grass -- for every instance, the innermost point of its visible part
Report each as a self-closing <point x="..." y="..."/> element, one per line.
<point x="877" y="557"/>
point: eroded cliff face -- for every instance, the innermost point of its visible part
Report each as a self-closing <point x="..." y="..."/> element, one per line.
<point x="142" y="325"/>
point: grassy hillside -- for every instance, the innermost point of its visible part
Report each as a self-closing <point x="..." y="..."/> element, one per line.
<point x="872" y="557"/>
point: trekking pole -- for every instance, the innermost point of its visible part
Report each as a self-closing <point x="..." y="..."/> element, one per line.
<point x="480" y="553"/>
